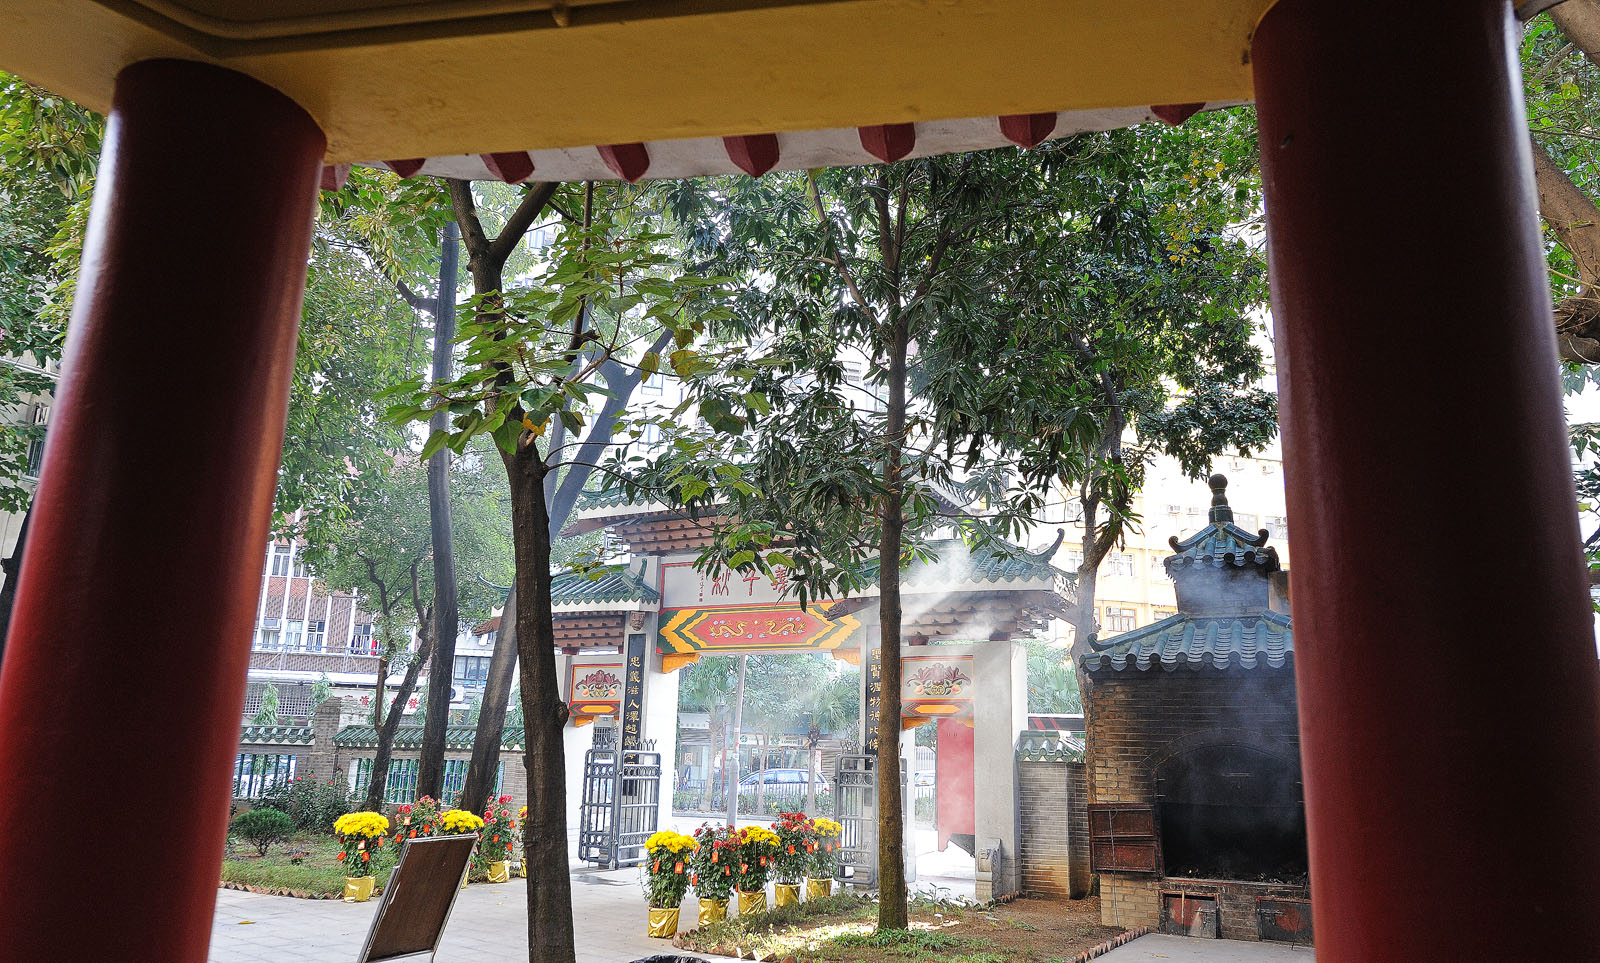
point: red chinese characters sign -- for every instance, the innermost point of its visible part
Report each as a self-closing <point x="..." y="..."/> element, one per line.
<point x="733" y="628"/>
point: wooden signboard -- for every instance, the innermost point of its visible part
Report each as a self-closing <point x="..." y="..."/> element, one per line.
<point x="417" y="902"/>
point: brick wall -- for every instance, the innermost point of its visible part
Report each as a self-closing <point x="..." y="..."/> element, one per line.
<point x="1137" y="720"/>
<point x="1054" y="831"/>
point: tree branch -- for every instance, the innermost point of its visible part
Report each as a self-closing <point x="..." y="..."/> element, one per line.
<point x="533" y="204"/>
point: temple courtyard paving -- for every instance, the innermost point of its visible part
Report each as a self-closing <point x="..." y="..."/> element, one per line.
<point x="489" y="924"/>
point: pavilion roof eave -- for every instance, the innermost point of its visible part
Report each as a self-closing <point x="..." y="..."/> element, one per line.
<point x="428" y="82"/>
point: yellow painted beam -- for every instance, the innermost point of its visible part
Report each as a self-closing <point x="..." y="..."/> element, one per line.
<point x="658" y="69"/>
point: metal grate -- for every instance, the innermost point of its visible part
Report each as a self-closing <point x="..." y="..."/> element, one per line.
<point x="855" y="800"/>
<point x="621" y="803"/>
<point x="255" y="773"/>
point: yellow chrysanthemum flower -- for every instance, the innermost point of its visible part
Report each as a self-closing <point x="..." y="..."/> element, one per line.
<point x="460" y="821"/>
<point x="367" y="825"/>
<point x="670" y="841"/>
<point x="826" y="827"/>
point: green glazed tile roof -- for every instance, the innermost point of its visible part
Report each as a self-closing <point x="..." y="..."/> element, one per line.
<point x="410" y="737"/>
<point x="1265" y="640"/>
<point x="1049" y="745"/>
<point x="983" y="564"/>
<point x="1221" y="543"/>
<point x="292" y="735"/>
<point x="616" y="584"/>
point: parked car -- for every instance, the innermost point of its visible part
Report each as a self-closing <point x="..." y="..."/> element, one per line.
<point x="785" y="780"/>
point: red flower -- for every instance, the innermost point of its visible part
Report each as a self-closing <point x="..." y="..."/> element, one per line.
<point x="413" y="834"/>
<point x="495" y="839"/>
<point x="508" y="847"/>
<point x="365" y="857"/>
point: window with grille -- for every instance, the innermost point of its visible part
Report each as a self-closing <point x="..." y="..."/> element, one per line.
<point x="1278" y="527"/>
<point x="1120" y="619"/>
<point x="1120" y="563"/>
<point x="316" y="636"/>
<point x="280" y="559"/>
<point x="472" y="669"/>
<point x="255" y="773"/>
<point x="35" y="457"/>
<point x="267" y="637"/>
<point x="361" y="642"/>
<point x="401" y="786"/>
<point x="299" y="567"/>
<point x="294" y="632"/>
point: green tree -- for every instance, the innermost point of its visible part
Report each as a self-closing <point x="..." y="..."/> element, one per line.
<point x="1052" y="682"/>
<point x="535" y="358"/>
<point x="844" y="264"/>
<point x="48" y="150"/>
<point x="381" y="551"/>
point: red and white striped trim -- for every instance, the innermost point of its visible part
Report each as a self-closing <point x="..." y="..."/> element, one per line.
<point x="756" y="154"/>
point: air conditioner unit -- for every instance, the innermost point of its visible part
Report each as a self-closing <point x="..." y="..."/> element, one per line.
<point x="41" y="414"/>
<point x="458" y="693"/>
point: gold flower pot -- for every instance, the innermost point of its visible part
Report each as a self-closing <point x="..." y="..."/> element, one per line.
<point x="787" y="894"/>
<point x="713" y="911"/>
<point x="358" y="889"/>
<point x="752" y="902"/>
<point x="663" y="923"/>
<point x="500" y="872"/>
<point x="818" y="888"/>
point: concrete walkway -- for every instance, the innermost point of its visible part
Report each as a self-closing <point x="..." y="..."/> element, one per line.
<point x="1182" y="949"/>
<point x="489" y="924"/>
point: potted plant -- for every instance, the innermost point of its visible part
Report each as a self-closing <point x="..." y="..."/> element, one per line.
<point x="417" y="820"/>
<point x="712" y="862"/>
<point x="499" y="835"/>
<point x="823" y="848"/>
<point x="757" y="846"/>
<point x="459" y="822"/>
<point x="666" y="879"/>
<point x="359" y="835"/>
<point x="522" y="864"/>
<point x="789" y="865"/>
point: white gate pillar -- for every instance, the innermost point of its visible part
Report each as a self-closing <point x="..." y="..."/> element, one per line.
<point x="1000" y="713"/>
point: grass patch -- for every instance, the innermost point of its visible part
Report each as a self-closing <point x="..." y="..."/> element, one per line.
<point x="316" y="872"/>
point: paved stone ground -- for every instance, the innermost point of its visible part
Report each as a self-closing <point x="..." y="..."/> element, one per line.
<point x="489" y="924"/>
<point x="1182" y="949"/>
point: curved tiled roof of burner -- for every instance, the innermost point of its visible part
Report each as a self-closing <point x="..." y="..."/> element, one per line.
<point x="1220" y="576"/>
<point x="1263" y="641"/>
<point x="1221" y="542"/>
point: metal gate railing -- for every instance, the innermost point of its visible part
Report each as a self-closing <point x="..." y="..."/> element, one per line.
<point x="621" y="801"/>
<point x="855" y="788"/>
<point x="855" y="800"/>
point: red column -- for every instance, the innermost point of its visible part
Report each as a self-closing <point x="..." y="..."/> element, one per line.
<point x="1444" y="648"/>
<point x="123" y="682"/>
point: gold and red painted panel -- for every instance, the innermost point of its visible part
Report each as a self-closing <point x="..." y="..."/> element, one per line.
<point x="595" y="688"/>
<point x="936" y="686"/>
<point x="776" y="626"/>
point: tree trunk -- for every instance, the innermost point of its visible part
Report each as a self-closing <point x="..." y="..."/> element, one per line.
<point x="391" y="722"/>
<point x="13" y="568"/>
<point x="1580" y="21"/>
<point x="430" y="771"/>
<point x="485" y="763"/>
<point x="892" y="913"/>
<point x="377" y="689"/>
<point x="550" y="934"/>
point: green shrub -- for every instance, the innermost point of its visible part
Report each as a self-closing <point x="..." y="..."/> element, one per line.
<point x="312" y="804"/>
<point x="262" y="827"/>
